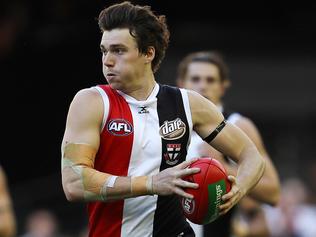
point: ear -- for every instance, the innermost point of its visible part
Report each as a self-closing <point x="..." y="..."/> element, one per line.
<point x="226" y="84"/>
<point x="180" y="83"/>
<point x="150" y="54"/>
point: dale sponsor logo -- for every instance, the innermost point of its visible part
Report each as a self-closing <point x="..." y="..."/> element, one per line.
<point x="172" y="130"/>
<point x="119" y="127"/>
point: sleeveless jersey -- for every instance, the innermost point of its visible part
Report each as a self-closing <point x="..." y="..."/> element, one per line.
<point x="141" y="138"/>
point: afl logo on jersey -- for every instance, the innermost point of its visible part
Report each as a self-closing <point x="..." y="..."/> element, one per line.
<point x="119" y="127"/>
<point x="172" y="130"/>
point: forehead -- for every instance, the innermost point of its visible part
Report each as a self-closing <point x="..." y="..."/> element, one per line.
<point x="117" y="37"/>
<point x="203" y="68"/>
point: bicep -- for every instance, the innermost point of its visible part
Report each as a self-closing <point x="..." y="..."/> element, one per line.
<point x="231" y="141"/>
<point x="205" y="115"/>
<point x="84" y="119"/>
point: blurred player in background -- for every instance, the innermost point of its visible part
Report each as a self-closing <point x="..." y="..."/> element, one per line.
<point x="42" y="223"/>
<point x="7" y="218"/>
<point x="115" y="150"/>
<point x="296" y="214"/>
<point x="207" y="73"/>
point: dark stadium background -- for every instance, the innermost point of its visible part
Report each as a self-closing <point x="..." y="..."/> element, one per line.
<point x="50" y="49"/>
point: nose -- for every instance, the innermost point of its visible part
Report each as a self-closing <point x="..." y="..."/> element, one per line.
<point x="108" y="59"/>
<point x="202" y="84"/>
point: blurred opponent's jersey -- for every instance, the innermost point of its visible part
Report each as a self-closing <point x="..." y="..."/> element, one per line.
<point x="141" y="138"/>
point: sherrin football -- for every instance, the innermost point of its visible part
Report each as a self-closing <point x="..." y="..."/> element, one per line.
<point x="213" y="184"/>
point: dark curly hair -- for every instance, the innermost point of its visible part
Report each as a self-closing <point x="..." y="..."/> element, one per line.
<point x="147" y="28"/>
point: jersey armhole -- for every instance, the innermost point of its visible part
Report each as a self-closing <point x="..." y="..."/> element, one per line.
<point x="106" y="105"/>
<point x="188" y="114"/>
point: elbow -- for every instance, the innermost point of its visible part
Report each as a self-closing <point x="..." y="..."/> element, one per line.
<point x="275" y="195"/>
<point x="72" y="193"/>
<point x="275" y="199"/>
<point x="72" y="188"/>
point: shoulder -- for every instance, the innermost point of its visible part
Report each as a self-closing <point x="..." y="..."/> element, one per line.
<point x="203" y="111"/>
<point x="87" y="103"/>
<point x="87" y="95"/>
<point x="199" y="103"/>
<point x="87" y="98"/>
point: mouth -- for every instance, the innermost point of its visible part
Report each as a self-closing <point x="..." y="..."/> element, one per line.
<point x="110" y="75"/>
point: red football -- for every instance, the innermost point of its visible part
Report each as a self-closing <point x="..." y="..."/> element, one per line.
<point x="213" y="184"/>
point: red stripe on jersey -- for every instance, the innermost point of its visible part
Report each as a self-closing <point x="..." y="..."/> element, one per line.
<point x="113" y="157"/>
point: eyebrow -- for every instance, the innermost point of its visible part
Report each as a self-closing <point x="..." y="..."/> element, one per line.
<point x="114" y="46"/>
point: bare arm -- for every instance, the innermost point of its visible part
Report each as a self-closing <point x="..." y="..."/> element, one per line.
<point x="232" y="142"/>
<point x="268" y="188"/>
<point x="7" y="220"/>
<point x="81" y="182"/>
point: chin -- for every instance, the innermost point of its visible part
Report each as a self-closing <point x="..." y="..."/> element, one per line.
<point x="116" y="86"/>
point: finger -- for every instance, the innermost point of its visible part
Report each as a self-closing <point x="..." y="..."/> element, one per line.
<point x="186" y="172"/>
<point x="186" y="163"/>
<point x="224" y="212"/>
<point x="226" y="205"/>
<point x="181" y="193"/>
<point x="224" y="208"/>
<point x="232" y="179"/>
<point x="228" y="195"/>
<point x="184" y="184"/>
<point x="229" y="203"/>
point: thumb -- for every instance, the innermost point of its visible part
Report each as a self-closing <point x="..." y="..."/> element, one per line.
<point x="232" y="178"/>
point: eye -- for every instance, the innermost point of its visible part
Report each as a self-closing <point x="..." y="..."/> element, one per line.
<point x="103" y="51"/>
<point x="210" y="80"/>
<point x="195" y="79"/>
<point x="119" y="51"/>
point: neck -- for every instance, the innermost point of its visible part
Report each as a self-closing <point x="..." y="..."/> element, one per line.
<point x="143" y="91"/>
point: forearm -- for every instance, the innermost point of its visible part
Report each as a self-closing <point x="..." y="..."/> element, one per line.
<point x="81" y="182"/>
<point x="250" y="170"/>
<point x="92" y="185"/>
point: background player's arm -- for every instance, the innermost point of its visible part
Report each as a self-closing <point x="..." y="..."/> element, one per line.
<point x="250" y="220"/>
<point x="232" y="142"/>
<point x="81" y="182"/>
<point x="7" y="220"/>
<point x="268" y="188"/>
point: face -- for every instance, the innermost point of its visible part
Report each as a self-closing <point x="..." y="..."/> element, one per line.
<point x="204" y="78"/>
<point x="123" y="65"/>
